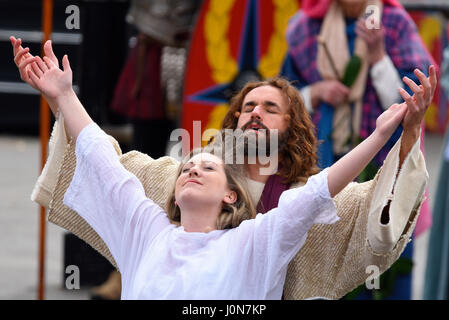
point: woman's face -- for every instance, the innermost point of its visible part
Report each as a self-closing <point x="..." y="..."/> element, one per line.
<point x="203" y="181"/>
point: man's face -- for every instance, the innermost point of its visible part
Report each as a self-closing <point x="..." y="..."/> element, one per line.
<point x="264" y="107"/>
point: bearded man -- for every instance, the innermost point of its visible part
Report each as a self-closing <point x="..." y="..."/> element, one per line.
<point x="377" y="217"/>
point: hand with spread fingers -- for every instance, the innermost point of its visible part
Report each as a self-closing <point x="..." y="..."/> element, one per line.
<point x="24" y="61"/>
<point x="49" y="79"/>
<point x="417" y="105"/>
<point x="421" y="99"/>
<point x="23" y="57"/>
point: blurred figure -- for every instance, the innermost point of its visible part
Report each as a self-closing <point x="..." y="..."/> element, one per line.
<point x="345" y="56"/>
<point x="436" y="281"/>
<point x="139" y="94"/>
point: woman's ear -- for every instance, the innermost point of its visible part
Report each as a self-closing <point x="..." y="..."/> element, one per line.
<point x="230" y="197"/>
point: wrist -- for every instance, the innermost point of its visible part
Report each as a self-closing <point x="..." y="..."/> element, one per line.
<point x="53" y="107"/>
<point x="63" y="97"/>
<point x="382" y="135"/>
<point x="408" y="140"/>
<point x="377" y="56"/>
<point x="410" y="135"/>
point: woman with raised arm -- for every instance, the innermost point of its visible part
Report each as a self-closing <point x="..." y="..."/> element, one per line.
<point x="215" y="250"/>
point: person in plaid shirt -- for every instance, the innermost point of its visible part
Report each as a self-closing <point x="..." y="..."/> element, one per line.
<point x="322" y="37"/>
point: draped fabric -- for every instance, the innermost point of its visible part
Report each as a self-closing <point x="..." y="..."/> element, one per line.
<point x="271" y="193"/>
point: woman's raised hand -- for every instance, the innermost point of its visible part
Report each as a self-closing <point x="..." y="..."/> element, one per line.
<point x="49" y="79"/>
<point x="390" y="119"/>
<point x="23" y="58"/>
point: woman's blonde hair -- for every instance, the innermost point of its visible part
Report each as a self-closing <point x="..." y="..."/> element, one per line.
<point x="231" y="215"/>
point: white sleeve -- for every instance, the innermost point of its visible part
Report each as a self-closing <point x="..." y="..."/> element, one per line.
<point x="110" y="198"/>
<point x="278" y="235"/>
<point x="386" y="81"/>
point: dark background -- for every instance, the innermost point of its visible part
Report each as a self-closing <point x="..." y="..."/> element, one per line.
<point x="96" y="51"/>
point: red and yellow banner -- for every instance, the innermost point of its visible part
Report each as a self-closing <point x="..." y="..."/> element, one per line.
<point x="234" y="41"/>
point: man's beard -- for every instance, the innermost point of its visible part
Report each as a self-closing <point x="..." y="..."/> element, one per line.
<point x="262" y="142"/>
<point x="248" y="146"/>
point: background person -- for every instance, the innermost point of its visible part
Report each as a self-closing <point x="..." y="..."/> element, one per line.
<point x="389" y="49"/>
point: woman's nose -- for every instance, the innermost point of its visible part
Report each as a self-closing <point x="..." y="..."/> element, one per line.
<point x="193" y="172"/>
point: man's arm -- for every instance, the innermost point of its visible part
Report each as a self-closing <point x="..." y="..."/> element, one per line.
<point x="411" y="113"/>
<point x="420" y="101"/>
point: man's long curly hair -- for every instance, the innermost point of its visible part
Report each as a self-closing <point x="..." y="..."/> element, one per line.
<point x="298" y="157"/>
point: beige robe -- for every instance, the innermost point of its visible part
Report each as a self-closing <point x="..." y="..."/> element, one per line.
<point x="334" y="259"/>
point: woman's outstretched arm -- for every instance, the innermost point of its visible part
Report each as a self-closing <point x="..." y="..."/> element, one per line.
<point x="410" y="113"/>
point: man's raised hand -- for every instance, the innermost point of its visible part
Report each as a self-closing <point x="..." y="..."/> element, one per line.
<point x="421" y="99"/>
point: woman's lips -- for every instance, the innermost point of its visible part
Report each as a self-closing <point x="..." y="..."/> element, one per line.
<point x="193" y="181"/>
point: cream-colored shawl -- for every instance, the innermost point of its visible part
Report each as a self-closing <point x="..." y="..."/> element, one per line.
<point x="333" y="260"/>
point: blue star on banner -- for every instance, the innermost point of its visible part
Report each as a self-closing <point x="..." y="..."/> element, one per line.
<point x="248" y="58"/>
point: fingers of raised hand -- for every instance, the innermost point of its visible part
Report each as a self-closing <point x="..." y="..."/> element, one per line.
<point x="418" y="93"/>
<point x="20" y="54"/>
<point x="411" y="104"/>
<point x="48" y="50"/>
<point x="50" y="63"/>
<point x="35" y="79"/>
<point x="23" y="67"/>
<point x="425" y="84"/>
<point x="41" y="64"/>
<point x="432" y="79"/>
<point x="16" y="45"/>
<point x="37" y="71"/>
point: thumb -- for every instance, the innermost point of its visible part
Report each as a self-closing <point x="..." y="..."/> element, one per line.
<point x="66" y="64"/>
<point x="401" y="110"/>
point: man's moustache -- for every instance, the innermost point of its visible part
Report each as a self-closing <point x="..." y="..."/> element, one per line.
<point x="258" y="122"/>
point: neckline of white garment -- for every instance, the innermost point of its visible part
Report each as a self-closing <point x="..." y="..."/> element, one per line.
<point x="181" y="230"/>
